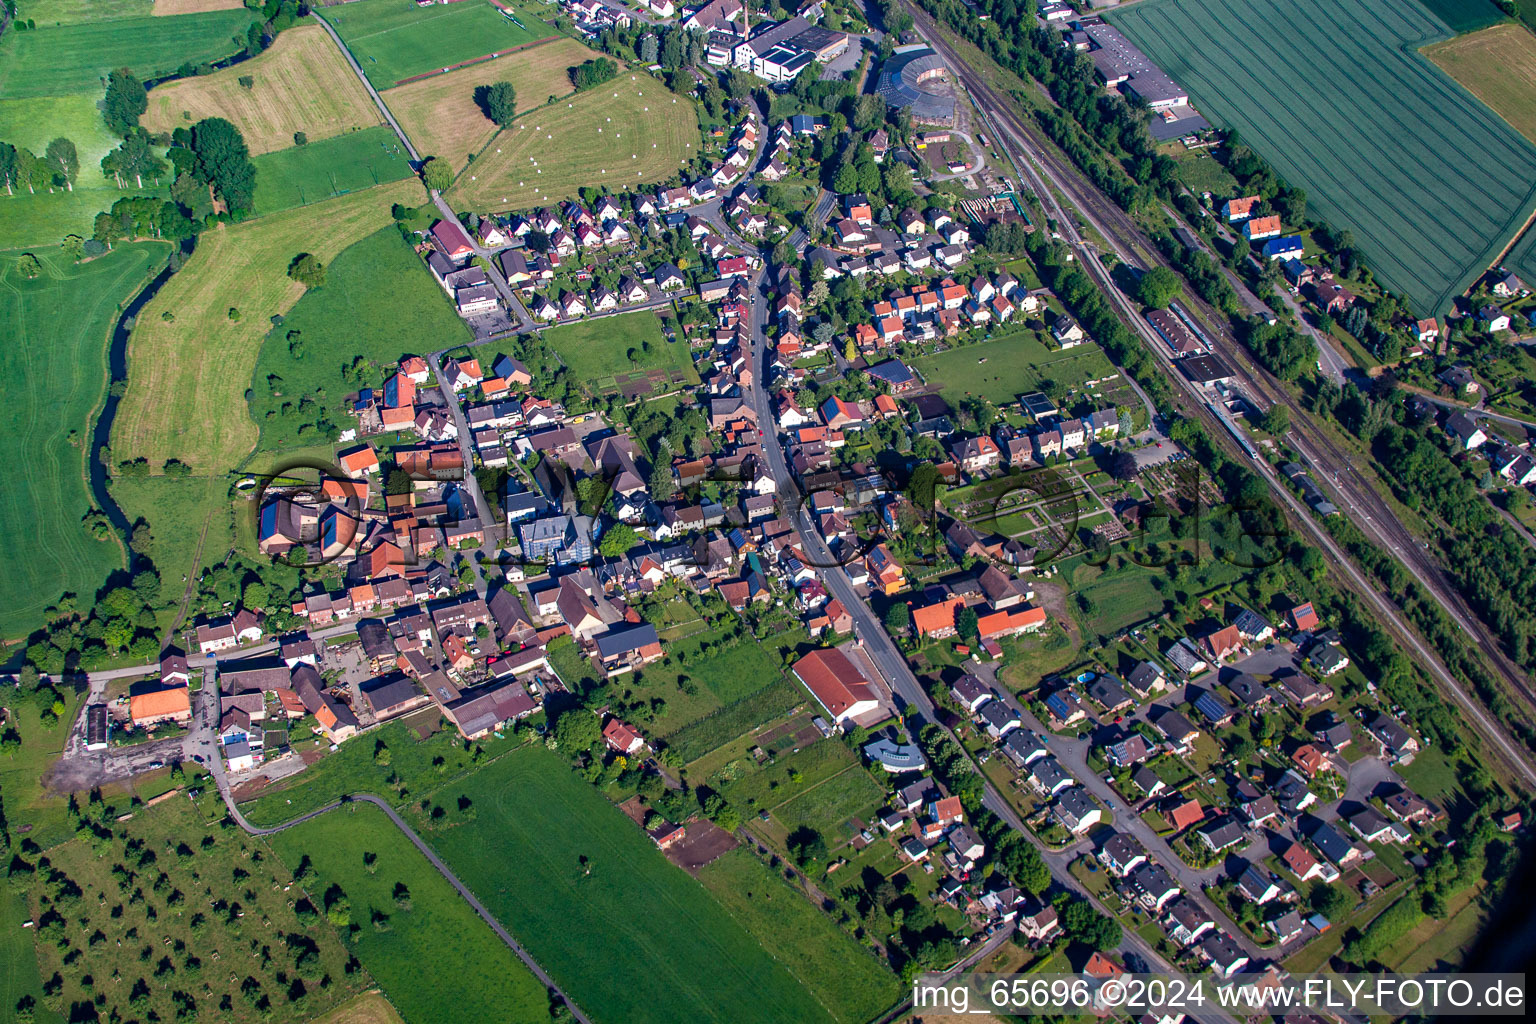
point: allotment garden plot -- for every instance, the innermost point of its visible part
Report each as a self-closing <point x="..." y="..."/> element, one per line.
<point x="1432" y="183"/>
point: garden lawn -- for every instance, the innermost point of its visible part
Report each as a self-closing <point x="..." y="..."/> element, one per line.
<point x="302" y="83"/>
<point x="774" y="701"/>
<point x="629" y="936"/>
<point x="75" y="58"/>
<point x="830" y="806"/>
<point x="1016" y="363"/>
<point x="53" y="369"/>
<point x="378" y="302"/>
<point x="304" y="175"/>
<point x="152" y="938"/>
<point x="489" y="982"/>
<point x="598" y="350"/>
<point x="441" y="118"/>
<point x="1120" y="597"/>
<point x="844" y="977"/>
<point x="629" y="132"/>
<point x="188" y="374"/>
<point x="1368" y="136"/>
<point x="767" y="787"/>
<point x="393" y="41"/>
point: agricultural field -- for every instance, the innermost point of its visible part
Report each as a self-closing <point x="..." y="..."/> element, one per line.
<point x="597" y="351"/>
<point x="1465" y="15"/>
<point x="302" y="84"/>
<point x="1498" y="66"/>
<point x="1427" y="225"/>
<point x="774" y="701"/>
<point x="489" y="981"/>
<point x="1010" y="365"/>
<point x="74" y="58"/>
<point x="314" y="173"/>
<point x="440" y="115"/>
<point x="186" y="343"/>
<point x="367" y="1008"/>
<point x="847" y="979"/>
<point x="379" y="302"/>
<point x="584" y="869"/>
<point x="171" y="8"/>
<point x="394" y="41"/>
<point x="53" y="369"/>
<point x="170" y="910"/>
<point x="71" y="12"/>
<point x="627" y="132"/>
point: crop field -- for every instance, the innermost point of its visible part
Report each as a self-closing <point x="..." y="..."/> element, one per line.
<point x="1365" y="133"/>
<point x="844" y="976"/>
<point x="1465" y="15"/>
<point x="187" y="345"/>
<point x="1498" y="66"/>
<point x="304" y="175"/>
<point x="71" y="12"/>
<point x="628" y="132"/>
<point x="584" y="869"/>
<point x="180" y="918"/>
<point x="394" y="40"/>
<point x="597" y="350"/>
<point x="1010" y="365"/>
<point x="302" y="83"/>
<point x="379" y="302"/>
<point x="489" y="981"/>
<point x="53" y="370"/>
<point x="441" y="118"/>
<point x="75" y="58"/>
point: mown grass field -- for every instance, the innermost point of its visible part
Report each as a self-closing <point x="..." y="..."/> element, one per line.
<point x="772" y="702"/>
<point x="379" y="302"/>
<point x="1016" y="363"/>
<point x="153" y="936"/>
<point x="302" y="83"/>
<point x="75" y="58"/>
<point x="171" y="8"/>
<point x="53" y="369"/>
<point x="27" y="799"/>
<point x="441" y="118"/>
<point x="393" y="41"/>
<point x="488" y="981"/>
<point x="70" y="12"/>
<point x="319" y="171"/>
<point x="596" y="350"/>
<point x="1498" y="66"/>
<point x="841" y="974"/>
<point x="20" y="977"/>
<point x="188" y="374"/>
<point x="367" y="1008"/>
<point x="831" y="807"/>
<point x="43" y="219"/>
<point x="655" y="946"/>
<point x="629" y="132"/>
<point x="1367" y="135"/>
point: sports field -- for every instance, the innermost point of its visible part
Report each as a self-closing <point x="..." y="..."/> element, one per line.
<point x="302" y="83"/>
<point x="53" y="371"/>
<point x="1498" y="66"/>
<point x="440" y="114"/>
<point x="379" y="302"/>
<point x="1371" y="130"/>
<point x="598" y="350"/>
<point x="433" y="922"/>
<point x="629" y="132"/>
<point x="1010" y="365"/>
<point x="188" y="375"/>
<point x="394" y="39"/>
<point x="302" y="175"/>
<point x="631" y="937"/>
<point x="74" y="58"/>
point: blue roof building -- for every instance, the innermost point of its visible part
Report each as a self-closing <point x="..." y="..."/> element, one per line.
<point x="1288" y="247"/>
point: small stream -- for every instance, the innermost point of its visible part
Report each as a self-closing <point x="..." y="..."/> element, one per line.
<point x="117" y="370"/>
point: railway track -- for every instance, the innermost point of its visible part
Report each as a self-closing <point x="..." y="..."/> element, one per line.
<point x="1050" y="174"/>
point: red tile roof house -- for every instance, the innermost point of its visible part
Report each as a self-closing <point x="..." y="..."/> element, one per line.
<point x="452" y="240"/>
<point x="622" y="738"/>
<point x="937" y="620"/>
<point x="838" y="685"/>
<point x="1223" y="642"/>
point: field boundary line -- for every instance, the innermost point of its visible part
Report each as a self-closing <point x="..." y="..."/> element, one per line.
<point x="484" y="58"/>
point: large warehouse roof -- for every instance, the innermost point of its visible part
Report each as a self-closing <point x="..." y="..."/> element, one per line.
<point x="898" y="83"/>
